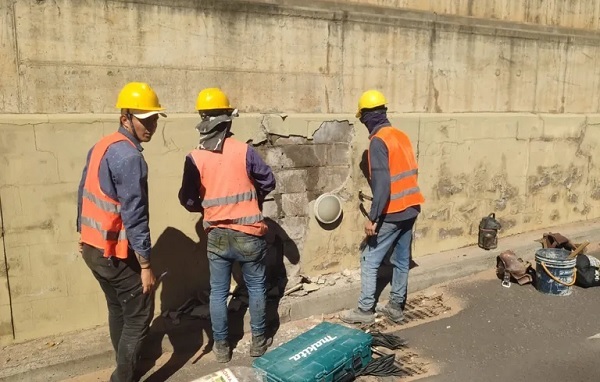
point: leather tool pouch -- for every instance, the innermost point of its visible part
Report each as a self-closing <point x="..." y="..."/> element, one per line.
<point x="510" y="268"/>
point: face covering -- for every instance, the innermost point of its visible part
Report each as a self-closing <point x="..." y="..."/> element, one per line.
<point x="213" y="131"/>
<point x="375" y="119"/>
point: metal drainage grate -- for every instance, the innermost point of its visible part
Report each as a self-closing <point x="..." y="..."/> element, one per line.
<point x="410" y="364"/>
<point x="423" y="307"/>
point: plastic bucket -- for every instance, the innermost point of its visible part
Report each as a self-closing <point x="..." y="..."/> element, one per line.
<point x="555" y="274"/>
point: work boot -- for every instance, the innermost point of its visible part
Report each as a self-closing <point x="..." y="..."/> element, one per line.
<point x="222" y="351"/>
<point x="393" y="313"/>
<point x="259" y="345"/>
<point x="357" y="316"/>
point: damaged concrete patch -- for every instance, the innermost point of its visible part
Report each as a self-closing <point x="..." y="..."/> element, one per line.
<point x="445" y="188"/>
<point x="507" y="223"/>
<point x="584" y="211"/>
<point x="444" y="233"/>
<point x="507" y="192"/>
<point x="573" y="198"/>
<point x="334" y="132"/>
<point x="595" y="194"/>
<point x="421" y="232"/>
<point x="304" y="167"/>
<point x="555" y="176"/>
<point x="442" y="214"/>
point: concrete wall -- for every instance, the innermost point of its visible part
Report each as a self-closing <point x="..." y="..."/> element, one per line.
<point x="533" y="171"/>
<point x="305" y="57"/>
<point x="450" y="81"/>
<point x="584" y="14"/>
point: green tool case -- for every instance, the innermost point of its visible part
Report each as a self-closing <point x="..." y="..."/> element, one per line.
<point x="327" y="353"/>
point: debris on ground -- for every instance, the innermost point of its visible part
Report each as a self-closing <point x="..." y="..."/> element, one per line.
<point x="300" y="285"/>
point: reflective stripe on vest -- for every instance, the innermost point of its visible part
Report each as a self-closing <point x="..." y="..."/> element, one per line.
<point x="106" y="206"/>
<point x="248" y="195"/>
<point x="404" y="188"/>
<point x="246" y="220"/>
<point x="108" y="235"/>
<point x="404" y="174"/>
<point x="101" y="223"/>
<point x="229" y="196"/>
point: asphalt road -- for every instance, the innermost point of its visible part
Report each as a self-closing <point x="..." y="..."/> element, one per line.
<point x="513" y="334"/>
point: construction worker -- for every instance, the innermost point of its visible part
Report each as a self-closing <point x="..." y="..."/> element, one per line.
<point x="227" y="181"/>
<point x="112" y="220"/>
<point x="394" y="209"/>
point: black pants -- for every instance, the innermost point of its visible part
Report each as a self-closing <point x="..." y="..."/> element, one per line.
<point x="128" y="317"/>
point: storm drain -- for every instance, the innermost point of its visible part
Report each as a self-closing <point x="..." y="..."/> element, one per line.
<point x="424" y="307"/>
<point x="410" y="363"/>
<point x="418" y="308"/>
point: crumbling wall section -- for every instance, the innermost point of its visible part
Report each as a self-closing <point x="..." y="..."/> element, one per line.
<point x="305" y="167"/>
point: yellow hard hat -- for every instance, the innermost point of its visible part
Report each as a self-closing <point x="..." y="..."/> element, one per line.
<point x="369" y="100"/>
<point x="139" y="96"/>
<point x="212" y="99"/>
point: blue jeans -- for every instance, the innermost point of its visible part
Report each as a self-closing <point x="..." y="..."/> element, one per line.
<point x="225" y="247"/>
<point x="391" y="234"/>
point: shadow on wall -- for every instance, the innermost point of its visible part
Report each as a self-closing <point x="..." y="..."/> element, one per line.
<point x="187" y="281"/>
<point x="364" y="166"/>
<point x="185" y="260"/>
<point x="185" y="291"/>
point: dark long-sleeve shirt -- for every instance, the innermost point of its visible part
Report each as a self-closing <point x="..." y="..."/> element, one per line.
<point x="123" y="176"/>
<point x="258" y="171"/>
<point x="381" y="183"/>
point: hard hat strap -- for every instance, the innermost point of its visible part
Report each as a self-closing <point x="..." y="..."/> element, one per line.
<point x="130" y="119"/>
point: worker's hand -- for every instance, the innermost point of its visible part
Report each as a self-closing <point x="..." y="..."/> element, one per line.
<point x="370" y="228"/>
<point x="148" y="280"/>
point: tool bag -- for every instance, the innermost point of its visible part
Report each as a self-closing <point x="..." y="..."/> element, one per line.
<point x="510" y="268"/>
<point x="588" y="271"/>
<point x="556" y="240"/>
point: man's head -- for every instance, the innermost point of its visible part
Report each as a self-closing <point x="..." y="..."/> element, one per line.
<point x="213" y="102"/>
<point x="371" y="100"/>
<point x="140" y="110"/>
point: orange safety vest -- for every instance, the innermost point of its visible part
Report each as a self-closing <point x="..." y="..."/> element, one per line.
<point x="228" y="195"/>
<point x="404" y="189"/>
<point x="101" y="223"/>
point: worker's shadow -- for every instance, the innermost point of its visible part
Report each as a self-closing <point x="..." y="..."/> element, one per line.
<point x="281" y="249"/>
<point x="364" y="165"/>
<point x="186" y="287"/>
<point x="187" y="282"/>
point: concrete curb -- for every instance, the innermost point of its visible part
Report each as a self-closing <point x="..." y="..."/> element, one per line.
<point x="431" y="270"/>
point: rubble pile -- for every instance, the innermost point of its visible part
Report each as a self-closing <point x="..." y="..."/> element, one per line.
<point x="301" y="285"/>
